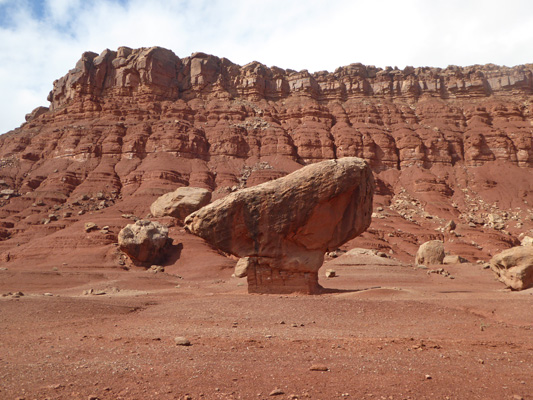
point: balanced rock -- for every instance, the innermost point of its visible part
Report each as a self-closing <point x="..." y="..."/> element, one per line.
<point x="431" y="252"/>
<point x="181" y="202"/>
<point x="285" y="226"/>
<point x="144" y="241"/>
<point x="514" y="267"/>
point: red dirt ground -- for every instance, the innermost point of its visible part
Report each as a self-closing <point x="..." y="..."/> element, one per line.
<point x="383" y="332"/>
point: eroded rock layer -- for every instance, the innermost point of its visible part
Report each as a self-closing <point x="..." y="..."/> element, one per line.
<point x="127" y="126"/>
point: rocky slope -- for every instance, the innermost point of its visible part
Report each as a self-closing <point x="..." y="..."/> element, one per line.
<point x="126" y="126"/>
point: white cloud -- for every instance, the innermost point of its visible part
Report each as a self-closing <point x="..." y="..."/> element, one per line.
<point x="41" y="45"/>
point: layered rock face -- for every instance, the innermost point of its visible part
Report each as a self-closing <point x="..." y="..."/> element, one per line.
<point x="284" y="227"/>
<point x="127" y="126"/>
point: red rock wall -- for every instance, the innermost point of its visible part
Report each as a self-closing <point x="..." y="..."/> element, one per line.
<point x="130" y="125"/>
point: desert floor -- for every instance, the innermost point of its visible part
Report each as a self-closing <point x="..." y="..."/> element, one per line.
<point x="382" y="332"/>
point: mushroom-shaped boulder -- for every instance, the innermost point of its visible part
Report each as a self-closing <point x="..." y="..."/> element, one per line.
<point x="284" y="227"/>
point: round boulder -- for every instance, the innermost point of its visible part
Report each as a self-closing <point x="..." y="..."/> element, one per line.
<point x="181" y="202"/>
<point x="431" y="252"/>
<point x="144" y="241"/>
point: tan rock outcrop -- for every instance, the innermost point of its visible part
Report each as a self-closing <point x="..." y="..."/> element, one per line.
<point x="181" y="202"/>
<point x="430" y="253"/>
<point x="514" y="267"/>
<point x="285" y="226"/>
<point x="144" y="241"/>
<point x="527" y="241"/>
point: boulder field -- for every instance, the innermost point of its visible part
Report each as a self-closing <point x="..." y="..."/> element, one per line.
<point x="127" y="126"/>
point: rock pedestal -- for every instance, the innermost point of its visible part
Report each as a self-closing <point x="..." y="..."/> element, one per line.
<point x="264" y="279"/>
<point x="285" y="226"/>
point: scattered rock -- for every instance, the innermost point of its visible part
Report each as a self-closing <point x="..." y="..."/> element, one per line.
<point x="454" y="259"/>
<point x="276" y="392"/>
<point x="514" y="267"/>
<point x="155" y="269"/>
<point x="144" y="241"/>
<point x="90" y="226"/>
<point x="182" y="341"/>
<point x="431" y="252"/>
<point x="241" y="268"/>
<point x="440" y="271"/>
<point x="181" y="202"/>
<point x="450" y="226"/>
<point x="319" y="367"/>
<point x="280" y="225"/>
<point x="331" y="273"/>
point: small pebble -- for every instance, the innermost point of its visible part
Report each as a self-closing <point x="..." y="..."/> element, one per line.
<point x="276" y="392"/>
<point x="182" y="341"/>
<point x="319" y="367"/>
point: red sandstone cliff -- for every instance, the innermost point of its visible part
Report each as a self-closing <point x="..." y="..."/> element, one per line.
<point x="125" y="127"/>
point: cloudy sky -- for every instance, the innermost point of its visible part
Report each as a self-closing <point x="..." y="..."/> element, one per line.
<point x="40" y="40"/>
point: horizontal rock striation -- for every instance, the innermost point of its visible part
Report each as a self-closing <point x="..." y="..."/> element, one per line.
<point x="127" y="126"/>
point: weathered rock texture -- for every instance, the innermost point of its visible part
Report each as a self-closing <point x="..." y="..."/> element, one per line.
<point x="127" y="126"/>
<point x="285" y="226"/>
<point x="514" y="267"/>
<point x="431" y="252"/>
<point x="144" y="241"/>
<point x="180" y="203"/>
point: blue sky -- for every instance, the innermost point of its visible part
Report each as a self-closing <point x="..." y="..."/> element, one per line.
<point x="41" y="40"/>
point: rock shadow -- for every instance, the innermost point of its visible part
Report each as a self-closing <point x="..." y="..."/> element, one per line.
<point x="173" y="254"/>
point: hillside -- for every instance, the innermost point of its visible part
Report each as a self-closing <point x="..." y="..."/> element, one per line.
<point x="126" y="126"/>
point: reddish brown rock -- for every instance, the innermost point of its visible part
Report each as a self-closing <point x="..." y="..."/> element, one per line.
<point x="284" y="227"/>
<point x="127" y="126"/>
